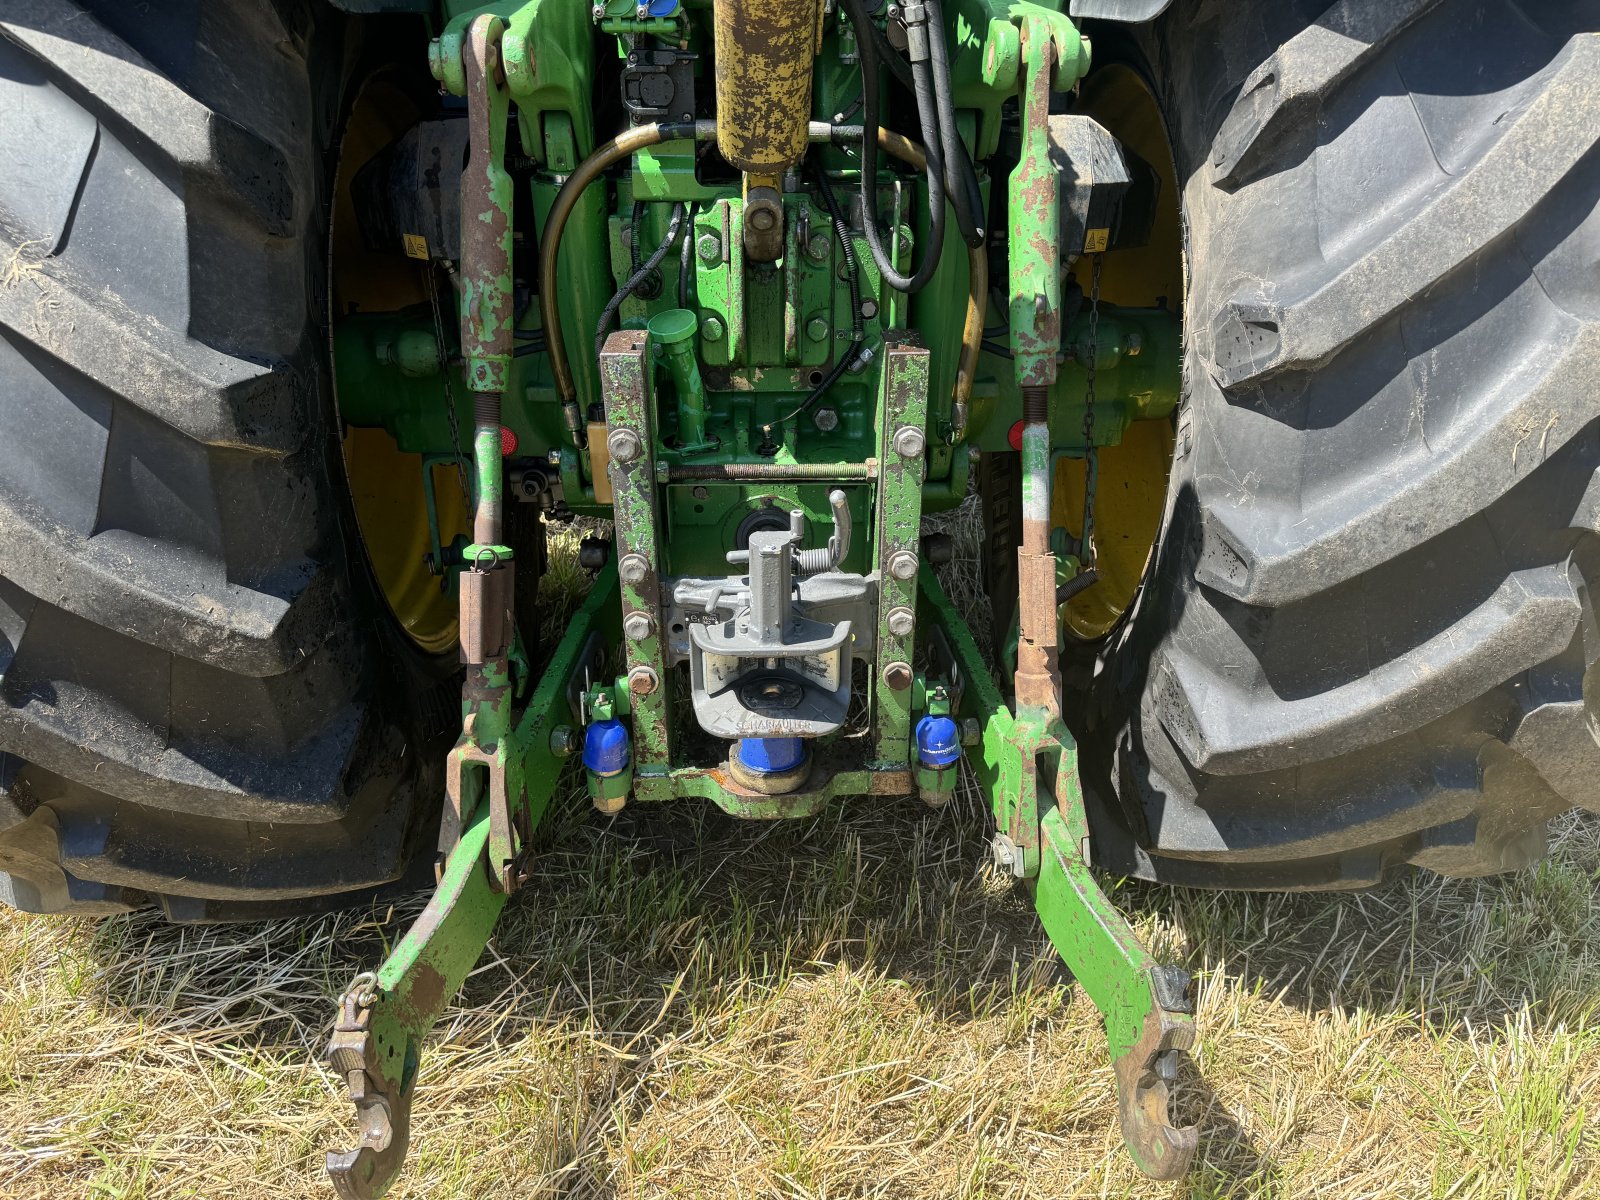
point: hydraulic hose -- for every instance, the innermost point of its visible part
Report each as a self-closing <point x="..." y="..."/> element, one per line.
<point x="586" y="172"/>
<point x="962" y="181"/>
<point x="928" y="119"/>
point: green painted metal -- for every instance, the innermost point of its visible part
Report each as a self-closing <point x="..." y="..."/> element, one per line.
<point x="902" y="443"/>
<point x="704" y="425"/>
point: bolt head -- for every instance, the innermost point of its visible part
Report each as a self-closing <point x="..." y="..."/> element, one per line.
<point x="623" y="445"/>
<point x="563" y="741"/>
<point x="898" y="676"/>
<point x="638" y="626"/>
<point x="909" y="442"/>
<point x="869" y="309"/>
<point x="709" y="247"/>
<point x="633" y="568"/>
<point x="826" y="419"/>
<point x="712" y="329"/>
<point x="817" y="247"/>
<point x="643" y="680"/>
<point x="903" y="565"/>
<point x="901" y="622"/>
<point x="817" y="329"/>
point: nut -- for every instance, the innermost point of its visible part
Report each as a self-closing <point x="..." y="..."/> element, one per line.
<point x="633" y="568"/>
<point x="643" y="680"/>
<point x="900" y="621"/>
<point x="563" y="741"/>
<point x="909" y="442"/>
<point x="903" y="565"/>
<point x="623" y="445"/>
<point x="898" y="676"/>
<point x="638" y="626"/>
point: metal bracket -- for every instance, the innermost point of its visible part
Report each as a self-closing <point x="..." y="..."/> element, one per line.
<point x="1044" y="833"/>
<point x="384" y="1016"/>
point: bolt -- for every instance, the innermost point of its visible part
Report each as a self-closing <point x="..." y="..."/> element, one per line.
<point x="642" y="680"/>
<point x="817" y="247"/>
<point x="701" y="492"/>
<point x="903" y="565"/>
<point x="555" y="458"/>
<point x="633" y="568"/>
<point x="712" y="329"/>
<point x="817" y="329"/>
<point x="898" y="676"/>
<point x="709" y="247"/>
<point x="623" y="445"/>
<point x="763" y="218"/>
<point x="563" y="741"/>
<point x="869" y="309"/>
<point x="826" y="419"/>
<point x="909" y="442"/>
<point x="1133" y="345"/>
<point x="971" y="732"/>
<point x="901" y="622"/>
<point x="638" y="626"/>
<point x="642" y="11"/>
<point x="598" y="12"/>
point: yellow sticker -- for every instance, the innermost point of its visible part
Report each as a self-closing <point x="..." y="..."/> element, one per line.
<point x="1096" y="240"/>
<point x="416" y="245"/>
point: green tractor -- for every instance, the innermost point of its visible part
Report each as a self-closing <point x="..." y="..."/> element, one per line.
<point x="1266" y="333"/>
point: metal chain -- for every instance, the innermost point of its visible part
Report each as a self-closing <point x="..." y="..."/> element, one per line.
<point x="449" y="392"/>
<point x="1091" y="455"/>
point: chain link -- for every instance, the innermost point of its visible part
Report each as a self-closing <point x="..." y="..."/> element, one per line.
<point x="449" y="392"/>
<point x="1091" y="454"/>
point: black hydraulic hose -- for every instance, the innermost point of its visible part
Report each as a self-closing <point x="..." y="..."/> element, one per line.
<point x="927" y="116"/>
<point x="686" y="258"/>
<point x="858" y="330"/>
<point x="638" y="277"/>
<point x="962" y="181"/>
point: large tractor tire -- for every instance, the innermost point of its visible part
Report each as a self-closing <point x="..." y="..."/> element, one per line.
<point x="1368" y="632"/>
<point x="205" y="704"/>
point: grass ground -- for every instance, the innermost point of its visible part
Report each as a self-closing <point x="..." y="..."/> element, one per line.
<point x="681" y="1005"/>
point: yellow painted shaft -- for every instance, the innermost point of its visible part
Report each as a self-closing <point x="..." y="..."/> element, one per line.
<point x="766" y="51"/>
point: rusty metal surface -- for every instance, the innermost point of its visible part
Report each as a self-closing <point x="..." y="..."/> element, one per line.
<point x="626" y="386"/>
<point x="902" y="409"/>
<point x="766" y="51"/>
<point x="486" y="201"/>
<point x="752" y="472"/>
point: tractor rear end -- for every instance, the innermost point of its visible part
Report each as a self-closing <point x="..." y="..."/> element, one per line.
<point x="748" y="329"/>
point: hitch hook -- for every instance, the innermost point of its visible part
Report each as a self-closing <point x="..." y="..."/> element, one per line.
<point x="383" y="1105"/>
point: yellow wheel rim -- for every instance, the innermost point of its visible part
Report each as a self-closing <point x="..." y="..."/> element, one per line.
<point x="386" y="485"/>
<point x="1131" y="496"/>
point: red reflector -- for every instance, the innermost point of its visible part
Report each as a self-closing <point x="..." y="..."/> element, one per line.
<point x="1015" y="436"/>
<point x="508" y="442"/>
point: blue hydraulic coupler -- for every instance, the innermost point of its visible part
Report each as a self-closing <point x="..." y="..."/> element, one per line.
<point x="938" y="751"/>
<point x="609" y="759"/>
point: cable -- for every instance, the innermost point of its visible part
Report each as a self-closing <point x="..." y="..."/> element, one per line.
<point x="638" y="277"/>
<point x="927" y="117"/>
<point x="686" y="258"/>
<point x="858" y="332"/>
